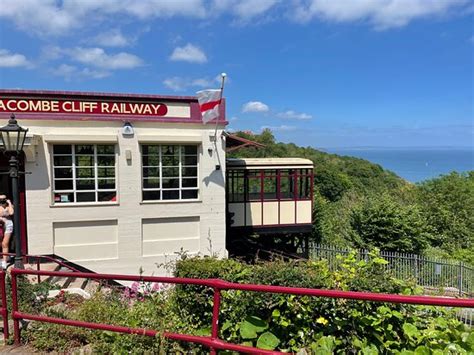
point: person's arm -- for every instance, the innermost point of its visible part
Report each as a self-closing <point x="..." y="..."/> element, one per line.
<point x="9" y="208"/>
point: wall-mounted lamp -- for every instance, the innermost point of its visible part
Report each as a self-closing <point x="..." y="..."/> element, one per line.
<point x="127" y="129"/>
<point x="210" y="150"/>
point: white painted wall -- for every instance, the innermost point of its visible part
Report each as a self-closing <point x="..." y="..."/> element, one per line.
<point x="133" y="234"/>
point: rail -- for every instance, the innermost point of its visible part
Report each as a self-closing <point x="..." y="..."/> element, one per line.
<point x="213" y="342"/>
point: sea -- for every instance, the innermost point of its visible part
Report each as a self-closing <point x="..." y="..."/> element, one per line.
<point x="415" y="164"/>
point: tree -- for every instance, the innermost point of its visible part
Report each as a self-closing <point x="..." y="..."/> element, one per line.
<point x="384" y="223"/>
<point x="448" y="204"/>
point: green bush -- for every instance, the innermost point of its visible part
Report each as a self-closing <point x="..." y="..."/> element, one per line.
<point x="290" y="323"/>
<point x="268" y="321"/>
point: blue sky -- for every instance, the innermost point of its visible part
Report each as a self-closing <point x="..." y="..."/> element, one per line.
<point x="322" y="73"/>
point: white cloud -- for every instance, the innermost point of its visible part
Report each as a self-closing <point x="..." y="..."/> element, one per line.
<point x="255" y="106"/>
<point x="243" y="9"/>
<point x="189" y="53"/>
<point x="179" y="83"/>
<point x="112" y="38"/>
<point x="97" y="57"/>
<point x="382" y="14"/>
<point x="61" y="17"/>
<point x="292" y="115"/>
<point x="53" y="17"/>
<point x="71" y="72"/>
<point x="10" y="60"/>
<point x="282" y="128"/>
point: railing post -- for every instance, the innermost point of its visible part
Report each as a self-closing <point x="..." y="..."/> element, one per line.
<point x="16" y="321"/>
<point x="215" y="316"/>
<point x="460" y="278"/>
<point x="4" y="305"/>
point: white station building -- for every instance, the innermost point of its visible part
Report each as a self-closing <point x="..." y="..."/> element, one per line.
<point x="117" y="183"/>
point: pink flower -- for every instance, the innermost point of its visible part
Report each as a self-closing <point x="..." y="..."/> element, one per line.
<point x="156" y="287"/>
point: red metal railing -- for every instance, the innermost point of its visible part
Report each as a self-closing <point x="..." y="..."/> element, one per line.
<point x="3" y="293"/>
<point x="213" y="342"/>
<point x="4" y="306"/>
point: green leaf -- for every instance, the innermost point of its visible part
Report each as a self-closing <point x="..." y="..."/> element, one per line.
<point x="267" y="341"/>
<point x="411" y="331"/>
<point x="251" y="326"/>
<point x="203" y="332"/>
<point x="370" y="350"/>
<point x="276" y="313"/>
<point x="422" y="350"/>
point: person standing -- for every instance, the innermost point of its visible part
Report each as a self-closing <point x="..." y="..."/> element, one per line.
<point x="6" y="213"/>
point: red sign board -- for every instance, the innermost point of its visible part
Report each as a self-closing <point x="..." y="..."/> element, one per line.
<point x="83" y="107"/>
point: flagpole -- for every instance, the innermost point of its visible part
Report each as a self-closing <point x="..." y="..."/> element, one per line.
<point x="223" y="75"/>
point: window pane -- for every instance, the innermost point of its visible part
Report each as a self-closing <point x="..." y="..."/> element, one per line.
<point x="150" y="149"/>
<point x="170" y="160"/>
<point x="63" y="160"/>
<point x="170" y="172"/>
<point x="62" y="173"/>
<point x="190" y="149"/>
<point x="190" y="182"/>
<point x="170" y="150"/>
<point x="106" y="149"/>
<point x="106" y="172"/>
<point x="84" y="160"/>
<point x="106" y="184"/>
<point x="189" y="171"/>
<point x="107" y="196"/>
<point x="287" y="187"/>
<point x="269" y="188"/>
<point x="170" y="183"/>
<point x="151" y="195"/>
<point x="63" y="197"/>
<point x="151" y="183"/>
<point x="151" y="160"/>
<point x="105" y="160"/>
<point x="254" y="189"/>
<point x="85" y="184"/>
<point x="304" y="187"/>
<point x="85" y="197"/>
<point x="171" y="195"/>
<point x="153" y="172"/>
<point x="84" y="172"/>
<point x="63" y="185"/>
<point x="62" y="149"/>
<point x="189" y="194"/>
<point x="85" y="149"/>
<point x="190" y="160"/>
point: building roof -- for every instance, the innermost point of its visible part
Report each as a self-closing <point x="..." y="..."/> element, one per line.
<point x="234" y="142"/>
<point x="268" y="163"/>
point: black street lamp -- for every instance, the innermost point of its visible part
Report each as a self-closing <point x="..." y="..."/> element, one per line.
<point x="12" y="139"/>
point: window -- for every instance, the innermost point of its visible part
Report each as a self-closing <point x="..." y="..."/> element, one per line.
<point x="269" y="185"/>
<point x="170" y="172"/>
<point x="84" y="173"/>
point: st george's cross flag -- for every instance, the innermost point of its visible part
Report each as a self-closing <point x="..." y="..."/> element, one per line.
<point x="209" y="102"/>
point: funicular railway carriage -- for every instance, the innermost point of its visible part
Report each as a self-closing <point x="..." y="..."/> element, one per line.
<point x="269" y="195"/>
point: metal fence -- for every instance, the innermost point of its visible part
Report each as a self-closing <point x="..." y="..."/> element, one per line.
<point x="453" y="277"/>
<point x="213" y="341"/>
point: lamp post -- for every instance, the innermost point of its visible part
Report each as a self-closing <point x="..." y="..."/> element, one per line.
<point x="12" y="139"/>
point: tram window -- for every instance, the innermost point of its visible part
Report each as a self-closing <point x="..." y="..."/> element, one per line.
<point x="254" y="188"/>
<point x="304" y="187"/>
<point x="236" y="186"/>
<point x="287" y="187"/>
<point x="269" y="188"/>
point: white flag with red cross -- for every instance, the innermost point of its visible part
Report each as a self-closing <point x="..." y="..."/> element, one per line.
<point x="209" y="102"/>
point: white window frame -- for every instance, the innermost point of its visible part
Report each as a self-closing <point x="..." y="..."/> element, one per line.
<point x="180" y="166"/>
<point x="74" y="166"/>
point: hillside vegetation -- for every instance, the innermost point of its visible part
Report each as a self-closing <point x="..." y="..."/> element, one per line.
<point x="360" y="204"/>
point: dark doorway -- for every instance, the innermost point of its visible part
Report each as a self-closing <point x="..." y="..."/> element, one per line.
<point x="6" y="189"/>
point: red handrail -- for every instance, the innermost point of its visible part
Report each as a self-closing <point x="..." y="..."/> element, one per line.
<point x="213" y="342"/>
<point x="4" y="306"/>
